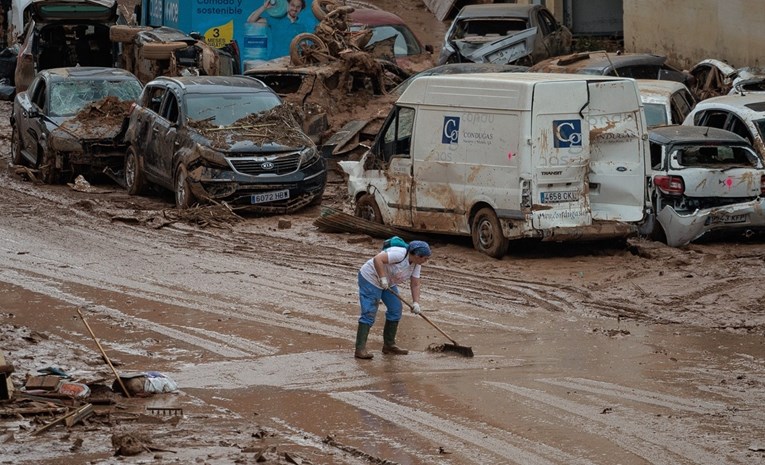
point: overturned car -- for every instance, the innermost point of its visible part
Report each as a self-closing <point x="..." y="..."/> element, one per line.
<point x="222" y="139"/>
<point x="70" y="121"/>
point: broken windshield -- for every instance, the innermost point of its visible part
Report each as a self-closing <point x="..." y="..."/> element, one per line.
<point x="717" y="157"/>
<point x="67" y="98"/>
<point x="224" y="109"/>
<point x="484" y="29"/>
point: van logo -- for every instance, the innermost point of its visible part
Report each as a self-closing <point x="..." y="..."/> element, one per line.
<point x="451" y="131"/>
<point x="567" y="133"/>
<point x="267" y="165"/>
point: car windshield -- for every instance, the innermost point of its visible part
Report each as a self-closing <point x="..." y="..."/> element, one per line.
<point x="224" y="109"/>
<point x="717" y="157"/>
<point x="655" y="114"/>
<point x="404" y="43"/>
<point x="483" y="28"/>
<point x="67" y="98"/>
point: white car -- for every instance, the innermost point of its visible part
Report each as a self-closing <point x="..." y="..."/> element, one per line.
<point x="665" y="102"/>
<point x="703" y="180"/>
<point x="741" y="114"/>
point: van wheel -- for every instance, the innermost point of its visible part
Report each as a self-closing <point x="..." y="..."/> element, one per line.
<point x="183" y="197"/>
<point x="366" y="208"/>
<point x="161" y="50"/>
<point x="487" y="234"/>
<point x="134" y="180"/>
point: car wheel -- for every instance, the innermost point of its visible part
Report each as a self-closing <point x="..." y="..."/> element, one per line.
<point x="161" y="50"/>
<point x="366" y="208"/>
<point x="18" y="157"/>
<point x="486" y="232"/>
<point x="49" y="173"/>
<point x="307" y="48"/>
<point x="134" y="180"/>
<point x="183" y="196"/>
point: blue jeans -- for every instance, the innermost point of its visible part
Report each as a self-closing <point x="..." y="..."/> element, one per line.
<point x="370" y="297"/>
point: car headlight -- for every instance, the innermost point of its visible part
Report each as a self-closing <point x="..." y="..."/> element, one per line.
<point x="308" y="156"/>
<point x="210" y="157"/>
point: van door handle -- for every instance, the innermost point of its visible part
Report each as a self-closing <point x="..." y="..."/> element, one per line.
<point x="621" y="169"/>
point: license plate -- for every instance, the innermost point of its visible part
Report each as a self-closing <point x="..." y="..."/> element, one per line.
<point x="272" y="196"/>
<point x="558" y="197"/>
<point x="730" y="219"/>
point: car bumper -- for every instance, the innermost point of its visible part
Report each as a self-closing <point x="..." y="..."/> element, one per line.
<point x="680" y="229"/>
<point x="304" y="187"/>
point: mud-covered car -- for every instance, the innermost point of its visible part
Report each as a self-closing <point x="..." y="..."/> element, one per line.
<point x="631" y="65"/>
<point x="665" y="102"/>
<point x="504" y="34"/>
<point x="65" y="33"/>
<point x="70" y="121"/>
<point x="740" y="114"/>
<point x="223" y="139"/>
<point x="164" y="51"/>
<point x="703" y="180"/>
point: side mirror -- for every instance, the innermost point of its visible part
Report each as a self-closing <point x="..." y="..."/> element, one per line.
<point x="33" y="113"/>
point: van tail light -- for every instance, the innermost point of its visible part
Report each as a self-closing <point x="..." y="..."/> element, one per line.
<point x="669" y="185"/>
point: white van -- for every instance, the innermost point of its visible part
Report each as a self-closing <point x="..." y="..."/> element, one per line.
<point x="504" y="156"/>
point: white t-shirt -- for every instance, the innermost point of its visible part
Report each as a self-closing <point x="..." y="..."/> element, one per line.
<point x="398" y="269"/>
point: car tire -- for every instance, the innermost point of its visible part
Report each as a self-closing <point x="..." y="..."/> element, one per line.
<point x="161" y="50"/>
<point x="486" y="231"/>
<point x="184" y="199"/>
<point x="307" y="48"/>
<point x="18" y="157"/>
<point x="366" y="208"/>
<point x="124" y="33"/>
<point x="134" y="179"/>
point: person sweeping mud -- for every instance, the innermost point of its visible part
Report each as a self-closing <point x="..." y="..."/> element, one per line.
<point x="377" y="281"/>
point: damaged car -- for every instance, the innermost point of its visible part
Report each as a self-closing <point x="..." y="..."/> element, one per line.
<point x="222" y="139"/>
<point x="504" y="34"/>
<point x="740" y="114"/>
<point x="665" y="102"/>
<point x="70" y="121"/>
<point x="65" y="33"/>
<point x="703" y="180"/>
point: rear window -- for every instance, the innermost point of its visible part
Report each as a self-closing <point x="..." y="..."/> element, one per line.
<point x="82" y="12"/>
<point x="716" y="157"/>
<point x="488" y="27"/>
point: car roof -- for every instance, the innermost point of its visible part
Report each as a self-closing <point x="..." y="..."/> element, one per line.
<point x="659" y="87"/>
<point x="679" y="134"/>
<point x="214" y="84"/>
<point x="88" y="73"/>
<point x="599" y="61"/>
<point x="751" y="105"/>
<point x="374" y="17"/>
<point x="494" y="10"/>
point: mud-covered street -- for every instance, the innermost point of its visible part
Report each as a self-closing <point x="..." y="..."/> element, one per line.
<point x="607" y="353"/>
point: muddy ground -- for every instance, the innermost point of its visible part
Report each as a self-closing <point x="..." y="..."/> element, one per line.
<point x="619" y="352"/>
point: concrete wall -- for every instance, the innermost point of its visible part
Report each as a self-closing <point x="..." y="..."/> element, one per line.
<point x="688" y="31"/>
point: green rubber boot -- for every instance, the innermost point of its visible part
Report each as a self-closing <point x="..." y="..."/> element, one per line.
<point x="361" y="342"/>
<point x="389" y="339"/>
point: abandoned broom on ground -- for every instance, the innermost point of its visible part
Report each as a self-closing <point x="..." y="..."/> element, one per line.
<point x="378" y="278"/>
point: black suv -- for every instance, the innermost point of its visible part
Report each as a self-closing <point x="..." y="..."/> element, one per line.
<point x="222" y="138"/>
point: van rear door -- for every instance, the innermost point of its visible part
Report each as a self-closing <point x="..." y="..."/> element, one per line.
<point x="560" y="158"/>
<point x="617" y="151"/>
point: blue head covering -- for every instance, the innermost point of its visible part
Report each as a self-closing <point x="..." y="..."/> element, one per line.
<point x="419" y="248"/>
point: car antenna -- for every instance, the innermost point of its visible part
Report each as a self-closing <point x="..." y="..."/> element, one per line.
<point x="707" y="131"/>
<point x="619" y="52"/>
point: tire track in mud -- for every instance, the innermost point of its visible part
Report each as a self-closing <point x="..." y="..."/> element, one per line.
<point x="482" y="445"/>
<point x="699" y="406"/>
<point x="634" y="432"/>
<point x="233" y="347"/>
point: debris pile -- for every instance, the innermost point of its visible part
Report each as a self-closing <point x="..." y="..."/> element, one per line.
<point x="276" y="125"/>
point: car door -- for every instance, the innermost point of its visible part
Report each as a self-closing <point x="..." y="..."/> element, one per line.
<point x="164" y="135"/>
<point x="35" y="131"/>
<point x="681" y="103"/>
<point x="147" y="119"/>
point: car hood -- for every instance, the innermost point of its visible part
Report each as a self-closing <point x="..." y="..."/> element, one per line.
<point x="78" y="10"/>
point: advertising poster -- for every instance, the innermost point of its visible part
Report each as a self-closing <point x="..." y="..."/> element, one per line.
<point x="263" y="29"/>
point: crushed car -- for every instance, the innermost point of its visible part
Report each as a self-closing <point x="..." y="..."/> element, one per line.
<point x="742" y="115"/>
<point x="221" y="139"/>
<point x="504" y="34"/>
<point x="702" y="181"/>
<point x="70" y="121"/>
<point x="64" y="33"/>
<point x="164" y="51"/>
<point x="631" y="65"/>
